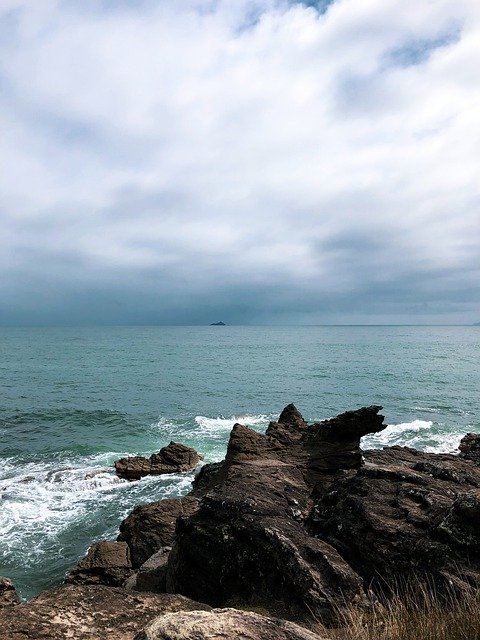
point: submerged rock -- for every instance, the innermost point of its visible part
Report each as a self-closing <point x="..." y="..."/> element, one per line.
<point x="106" y="563"/>
<point x="174" y="458"/>
<point x="88" y="613"/>
<point x="223" y="624"/>
<point x="8" y="594"/>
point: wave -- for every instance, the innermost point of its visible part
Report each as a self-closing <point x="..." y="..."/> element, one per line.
<point x="221" y="425"/>
<point x="424" y="435"/>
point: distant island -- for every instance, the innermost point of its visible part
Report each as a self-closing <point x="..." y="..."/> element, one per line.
<point x="218" y="324"/>
<point x="476" y="324"/>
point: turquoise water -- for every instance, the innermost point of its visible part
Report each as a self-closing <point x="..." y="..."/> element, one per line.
<point x="72" y="400"/>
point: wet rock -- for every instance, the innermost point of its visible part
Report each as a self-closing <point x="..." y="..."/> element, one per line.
<point x="150" y="527"/>
<point x="174" y="458"/>
<point x="88" y="613"/>
<point x="224" y="624"/>
<point x="8" y="594"/>
<point x="106" y="563"/>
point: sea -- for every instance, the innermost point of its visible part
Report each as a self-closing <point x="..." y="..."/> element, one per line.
<point x="73" y="400"/>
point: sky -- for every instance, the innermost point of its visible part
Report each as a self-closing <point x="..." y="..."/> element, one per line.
<point x="251" y="161"/>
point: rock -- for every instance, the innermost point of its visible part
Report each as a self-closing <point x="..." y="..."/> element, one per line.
<point x="406" y="515"/>
<point x="208" y="477"/>
<point x="175" y="458"/>
<point x="247" y="545"/>
<point x="8" y="594"/>
<point x="88" y="613"/>
<point x="470" y="447"/>
<point x="106" y="563"/>
<point x="151" y="576"/>
<point x="247" y="542"/>
<point x="223" y="624"/>
<point x="150" y="527"/>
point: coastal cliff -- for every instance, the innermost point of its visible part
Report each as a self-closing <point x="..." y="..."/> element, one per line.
<point x="298" y="523"/>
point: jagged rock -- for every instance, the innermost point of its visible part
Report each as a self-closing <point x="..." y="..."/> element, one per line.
<point x="208" y="477"/>
<point x="406" y="515"/>
<point x="175" y="458"/>
<point x="151" y="576"/>
<point x="247" y="542"/>
<point x="247" y="545"/>
<point x="317" y="449"/>
<point x="224" y="624"/>
<point x="106" y="563"/>
<point x="150" y="527"/>
<point x="88" y="613"/>
<point x="8" y="594"/>
<point x="470" y="447"/>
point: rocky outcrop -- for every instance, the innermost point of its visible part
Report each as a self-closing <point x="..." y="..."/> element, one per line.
<point x="224" y="624"/>
<point x="150" y="527"/>
<point x="8" y="594"/>
<point x="297" y="522"/>
<point x="247" y="542"/>
<point x="174" y="458"/>
<point x="405" y="516"/>
<point x="88" y="613"/>
<point x="106" y="563"/>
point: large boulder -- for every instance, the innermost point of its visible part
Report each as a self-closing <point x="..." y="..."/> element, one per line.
<point x="224" y="624"/>
<point x="174" y="458"/>
<point x="404" y="516"/>
<point x="247" y="542"/>
<point x="8" y="594"/>
<point x="88" y="613"/>
<point x="150" y="527"/>
<point x="106" y="563"/>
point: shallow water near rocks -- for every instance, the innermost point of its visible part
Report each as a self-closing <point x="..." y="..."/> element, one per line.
<point x="72" y="400"/>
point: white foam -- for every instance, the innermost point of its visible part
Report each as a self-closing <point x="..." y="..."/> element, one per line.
<point x="40" y="501"/>
<point x="221" y="425"/>
<point x="396" y="434"/>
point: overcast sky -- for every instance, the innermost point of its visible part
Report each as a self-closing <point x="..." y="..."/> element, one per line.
<point x="252" y="161"/>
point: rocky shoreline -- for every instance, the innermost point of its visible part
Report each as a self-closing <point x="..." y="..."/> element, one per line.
<point x="294" y="527"/>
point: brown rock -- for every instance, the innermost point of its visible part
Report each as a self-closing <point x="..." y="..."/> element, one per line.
<point x="223" y="624"/>
<point x="175" y="458"/>
<point x="152" y="574"/>
<point x="406" y="515"/>
<point x="247" y="545"/>
<point x="247" y="542"/>
<point x="106" y="563"/>
<point x="8" y="594"/>
<point x="150" y="527"/>
<point x="470" y="447"/>
<point x="87" y="613"/>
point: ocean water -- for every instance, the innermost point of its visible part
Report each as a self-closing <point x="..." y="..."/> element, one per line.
<point x="73" y="400"/>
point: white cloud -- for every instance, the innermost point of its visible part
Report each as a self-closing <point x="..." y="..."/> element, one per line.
<point x="236" y="142"/>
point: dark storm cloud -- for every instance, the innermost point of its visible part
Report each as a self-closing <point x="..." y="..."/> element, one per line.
<point x="256" y="161"/>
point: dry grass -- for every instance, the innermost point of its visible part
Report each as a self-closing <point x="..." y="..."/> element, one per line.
<point x="419" y="617"/>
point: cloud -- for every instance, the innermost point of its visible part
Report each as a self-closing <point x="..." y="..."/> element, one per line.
<point x="256" y="160"/>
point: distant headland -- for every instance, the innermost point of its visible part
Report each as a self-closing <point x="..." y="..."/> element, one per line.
<point x="218" y="324"/>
